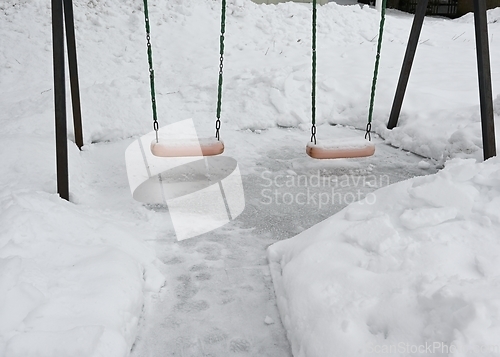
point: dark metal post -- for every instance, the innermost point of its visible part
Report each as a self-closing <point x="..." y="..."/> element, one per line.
<point x="484" y="75"/>
<point x="73" y="71"/>
<point x="411" y="49"/>
<point x="60" y="99"/>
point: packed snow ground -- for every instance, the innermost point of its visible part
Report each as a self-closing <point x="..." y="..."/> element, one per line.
<point x="220" y="300"/>
<point x="77" y="278"/>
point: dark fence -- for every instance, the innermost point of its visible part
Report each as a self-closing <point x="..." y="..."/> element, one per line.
<point x="446" y="8"/>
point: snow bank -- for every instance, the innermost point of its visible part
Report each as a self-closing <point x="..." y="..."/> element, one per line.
<point x="72" y="280"/>
<point x="413" y="268"/>
<point x="73" y="276"/>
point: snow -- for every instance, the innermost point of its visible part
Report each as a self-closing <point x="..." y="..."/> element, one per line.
<point x="418" y="268"/>
<point x="72" y="282"/>
<point x="103" y="275"/>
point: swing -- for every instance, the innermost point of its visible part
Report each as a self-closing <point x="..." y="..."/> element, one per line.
<point x="345" y="147"/>
<point x="341" y="149"/>
<point x="192" y="146"/>
<point x="187" y="147"/>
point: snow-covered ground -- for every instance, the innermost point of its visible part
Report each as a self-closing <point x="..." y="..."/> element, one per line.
<point x="103" y="275"/>
<point x="410" y="270"/>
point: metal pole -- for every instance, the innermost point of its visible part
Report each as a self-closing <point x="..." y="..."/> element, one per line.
<point x="60" y="99"/>
<point x="73" y="71"/>
<point x="484" y="76"/>
<point x="411" y="49"/>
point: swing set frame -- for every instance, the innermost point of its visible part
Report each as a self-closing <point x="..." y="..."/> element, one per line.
<point x="483" y="72"/>
<point x="63" y="19"/>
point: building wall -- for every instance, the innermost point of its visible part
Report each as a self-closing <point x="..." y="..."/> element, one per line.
<point x="465" y="6"/>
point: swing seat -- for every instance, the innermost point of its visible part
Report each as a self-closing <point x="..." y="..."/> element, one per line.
<point x="344" y="148"/>
<point x="187" y="147"/>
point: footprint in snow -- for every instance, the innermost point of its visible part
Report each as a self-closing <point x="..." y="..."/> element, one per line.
<point x="185" y="289"/>
<point x="173" y="260"/>
<point x="203" y="276"/>
<point x="212" y="251"/>
<point x="198" y="267"/>
<point x="239" y="345"/>
<point x="215" y="337"/>
<point x="192" y="306"/>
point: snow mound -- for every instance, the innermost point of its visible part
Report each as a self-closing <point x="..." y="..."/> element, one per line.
<point x="72" y="281"/>
<point x="413" y="269"/>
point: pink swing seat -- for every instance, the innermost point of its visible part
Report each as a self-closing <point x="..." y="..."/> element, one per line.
<point x="187" y="147"/>
<point x="341" y="148"/>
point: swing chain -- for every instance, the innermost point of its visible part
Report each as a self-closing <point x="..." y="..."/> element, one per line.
<point x="313" y="88"/>
<point x="368" y="131"/>
<point x="219" y="94"/>
<point x="217" y="128"/>
<point x="313" y="134"/>
<point x="375" y="70"/>
<point x="151" y="70"/>
<point x="221" y="64"/>
<point x="221" y="68"/>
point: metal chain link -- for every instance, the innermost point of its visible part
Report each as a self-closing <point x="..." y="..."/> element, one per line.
<point x="313" y="134"/>
<point x="221" y="67"/>
<point x="368" y="131"/>
<point x="151" y="70"/>
<point x="217" y="129"/>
